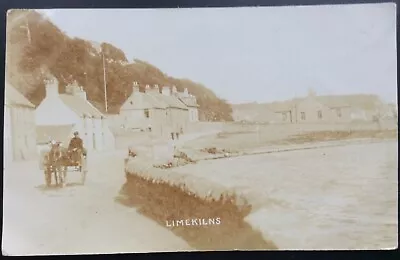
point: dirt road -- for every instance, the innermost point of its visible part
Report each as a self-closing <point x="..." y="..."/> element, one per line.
<point x="76" y="219"/>
<point x="329" y="198"/>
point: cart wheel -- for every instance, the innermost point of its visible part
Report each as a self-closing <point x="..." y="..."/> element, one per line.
<point x="64" y="174"/>
<point x="83" y="177"/>
<point x="47" y="176"/>
<point x="61" y="177"/>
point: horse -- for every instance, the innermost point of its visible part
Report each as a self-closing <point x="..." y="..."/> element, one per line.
<point x="57" y="163"/>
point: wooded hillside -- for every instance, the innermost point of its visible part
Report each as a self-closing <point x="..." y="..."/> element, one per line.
<point x="35" y="46"/>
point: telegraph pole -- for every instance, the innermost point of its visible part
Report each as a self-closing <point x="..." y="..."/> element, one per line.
<point x="104" y="80"/>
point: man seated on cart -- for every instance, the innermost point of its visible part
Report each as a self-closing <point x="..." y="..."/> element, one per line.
<point x="75" y="147"/>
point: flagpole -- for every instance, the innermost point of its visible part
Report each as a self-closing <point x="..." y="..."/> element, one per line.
<point x="104" y="80"/>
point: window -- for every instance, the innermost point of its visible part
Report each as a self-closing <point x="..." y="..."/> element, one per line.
<point x="339" y="112"/>
<point x="319" y="114"/>
<point x="303" y="116"/>
<point x="26" y="141"/>
<point x="147" y="113"/>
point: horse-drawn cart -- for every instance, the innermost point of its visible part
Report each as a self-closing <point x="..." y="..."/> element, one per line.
<point x="59" y="161"/>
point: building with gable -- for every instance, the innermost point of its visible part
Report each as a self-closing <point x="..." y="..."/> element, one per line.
<point x="46" y="133"/>
<point x="315" y="109"/>
<point x="176" y="111"/>
<point x="165" y="112"/>
<point x="19" y="126"/>
<point x="190" y="101"/>
<point x="145" y="112"/>
<point x="73" y="108"/>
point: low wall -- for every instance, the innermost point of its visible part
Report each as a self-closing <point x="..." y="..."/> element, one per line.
<point x="165" y="195"/>
<point x="196" y="127"/>
<point x="290" y="129"/>
<point x="125" y="139"/>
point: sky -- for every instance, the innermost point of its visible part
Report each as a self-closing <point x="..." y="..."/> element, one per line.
<point x="255" y="54"/>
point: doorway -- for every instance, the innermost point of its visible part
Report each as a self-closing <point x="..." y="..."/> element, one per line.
<point x="94" y="141"/>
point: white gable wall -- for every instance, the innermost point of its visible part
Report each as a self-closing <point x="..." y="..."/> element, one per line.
<point x="87" y="133"/>
<point x="98" y="134"/>
<point x="53" y="111"/>
<point x="133" y="117"/>
<point x="108" y="136"/>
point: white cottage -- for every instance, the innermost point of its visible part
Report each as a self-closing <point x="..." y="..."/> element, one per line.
<point x="176" y="111"/>
<point x="190" y="101"/>
<point x="19" y="126"/>
<point x="143" y="111"/>
<point x="46" y="133"/>
<point x="73" y="108"/>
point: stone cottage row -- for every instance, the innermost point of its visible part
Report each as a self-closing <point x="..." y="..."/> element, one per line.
<point x="317" y="109"/>
<point x="164" y="111"/>
<point x="28" y="129"/>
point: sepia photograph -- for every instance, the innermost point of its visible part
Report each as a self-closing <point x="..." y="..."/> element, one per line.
<point x="200" y="129"/>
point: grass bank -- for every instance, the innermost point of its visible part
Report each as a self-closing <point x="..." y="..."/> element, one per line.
<point x="163" y="201"/>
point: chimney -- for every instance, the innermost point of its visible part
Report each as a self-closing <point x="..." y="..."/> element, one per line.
<point x="156" y="89"/>
<point x="51" y="86"/>
<point x="147" y="89"/>
<point x="76" y="90"/>
<point x="185" y="92"/>
<point x="311" y="92"/>
<point x="81" y="93"/>
<point x="166" y="91"/>
<point x="135" y="86"/>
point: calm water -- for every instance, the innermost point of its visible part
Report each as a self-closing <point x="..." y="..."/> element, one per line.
<point x="331" y="198"/>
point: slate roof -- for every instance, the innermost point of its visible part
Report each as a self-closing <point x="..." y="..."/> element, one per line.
<point x="281" y="106"/>
<point x="333" y="101"/>
<point x="189" y="101"/>
<point x="140" y="100"/>
<point x="80" y="106"/>
<point x="169" y="101"/>
<point x="363" y="101"/>
<point x="156" y="103"/>
<point x="14" y="97"/>
<point x="46" y="133"/>
<point x="136" y="101"/>
<point x="366" y="102"/>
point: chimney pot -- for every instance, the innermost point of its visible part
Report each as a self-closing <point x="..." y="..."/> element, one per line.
<point x="51" y="86"/>
<point x="166" y="91"/>
<point x="135" y="87"/>
<point x="185" y="92"/>
<point x="147" y="88"/>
